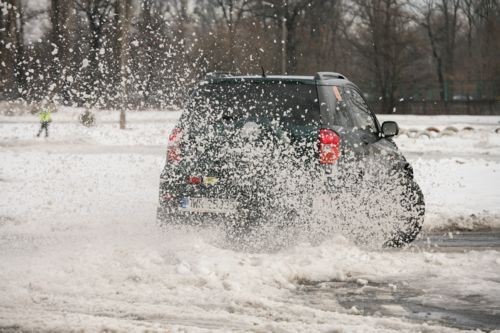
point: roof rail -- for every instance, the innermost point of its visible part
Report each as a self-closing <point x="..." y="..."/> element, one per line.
<point x="329" y="76"/>
<point x="218" y="75"/>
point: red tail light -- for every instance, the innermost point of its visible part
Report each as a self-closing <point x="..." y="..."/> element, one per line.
<point x="174" y="147"/>
<point x="193" y="180"/>
<point x="328" y="146"/>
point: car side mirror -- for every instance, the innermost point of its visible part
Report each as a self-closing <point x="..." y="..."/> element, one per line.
<point x="390" y="129"/>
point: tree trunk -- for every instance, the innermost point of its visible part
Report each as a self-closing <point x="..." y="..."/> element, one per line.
<point x="59" y="18"/>
<point x="123" y="15"/>
<point x="20" y="61"/>
<point x="435" y="54"/>
<point x="290" y="45"/>
<point x="8" y="49"/>
<point x="284" y="45"/>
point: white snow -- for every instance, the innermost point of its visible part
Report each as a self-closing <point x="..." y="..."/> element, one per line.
<point x="459" y="172"/>
<point x="79" y="247"/>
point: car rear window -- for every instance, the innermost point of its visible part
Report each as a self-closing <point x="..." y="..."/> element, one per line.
<point x="288" y="103"/>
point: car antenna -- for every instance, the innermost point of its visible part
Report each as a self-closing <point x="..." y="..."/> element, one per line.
<point x="263" y="71"/>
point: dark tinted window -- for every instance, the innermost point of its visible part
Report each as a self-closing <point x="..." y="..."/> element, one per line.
<point x="342" y="115"/>
<point x="289" y="104"/>
<point x="359" y="110"/>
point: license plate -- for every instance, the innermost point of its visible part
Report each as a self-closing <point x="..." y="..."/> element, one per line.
<point x="208" y="205"/>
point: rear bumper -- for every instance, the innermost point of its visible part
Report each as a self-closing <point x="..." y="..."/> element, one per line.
<point x="253" y="204"/>
<point x="259" y="201"/>
<point x="175" y="216"/>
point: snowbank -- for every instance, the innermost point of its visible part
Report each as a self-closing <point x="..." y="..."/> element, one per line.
<point x="79" y="247"/>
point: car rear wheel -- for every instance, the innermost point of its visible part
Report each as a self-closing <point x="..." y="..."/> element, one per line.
<point x="412" y="202"/>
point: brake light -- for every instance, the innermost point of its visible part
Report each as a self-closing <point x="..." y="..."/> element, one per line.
<point x="328" y="146"/>
<point x="174" y="146"/>
<point x="193" y="180"/>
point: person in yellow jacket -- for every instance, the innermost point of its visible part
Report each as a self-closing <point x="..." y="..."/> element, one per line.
<point x="45" y="119"/>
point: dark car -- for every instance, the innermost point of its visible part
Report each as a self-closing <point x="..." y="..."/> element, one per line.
<point x="257" y="151"/>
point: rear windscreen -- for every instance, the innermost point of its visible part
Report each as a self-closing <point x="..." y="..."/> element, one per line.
<point x="291" y="104"/>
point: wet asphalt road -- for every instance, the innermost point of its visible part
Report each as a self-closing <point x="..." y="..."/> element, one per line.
<point x="401" y="300"/>
<point x="460" y="241"/>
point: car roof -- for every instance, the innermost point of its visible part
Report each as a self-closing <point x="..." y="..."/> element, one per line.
<point x="319" y="79"/>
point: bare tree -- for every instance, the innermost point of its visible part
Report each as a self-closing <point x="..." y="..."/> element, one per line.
<point x="98" y="14"/>
<point x="441" y="21"/>
<point x="385" y="43"/>
<point x="96" y="52"/>
<point x="12" y="49"/>
<point x="321" y="32"/>
<point x="486" y="35"/>
<point x="287" y="15"/>
<point x="468" y="7"/>
<point x="230" y="13"/>
<point x="123" y="14"/>
<point x="62" y="21"/>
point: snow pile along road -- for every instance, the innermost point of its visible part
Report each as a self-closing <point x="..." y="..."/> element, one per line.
<point x="79" y="247"/>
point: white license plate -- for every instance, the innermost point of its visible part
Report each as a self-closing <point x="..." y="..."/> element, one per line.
<point x="208" y="205"/>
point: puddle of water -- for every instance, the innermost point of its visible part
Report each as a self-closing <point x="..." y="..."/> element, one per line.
<point x="398" y="300"/>
<point x="460" y="241"/>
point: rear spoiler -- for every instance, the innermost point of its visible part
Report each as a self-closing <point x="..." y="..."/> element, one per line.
<point x="329" y="76"/>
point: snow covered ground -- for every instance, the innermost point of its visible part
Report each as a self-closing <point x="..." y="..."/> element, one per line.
<point x="459" y="171"/>
<point x="79" y="248"/>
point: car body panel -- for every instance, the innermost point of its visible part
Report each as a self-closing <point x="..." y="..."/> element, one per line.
<point x="287" y="169"/>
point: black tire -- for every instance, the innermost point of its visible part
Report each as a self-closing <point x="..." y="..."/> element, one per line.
<point x="413" y="203"/>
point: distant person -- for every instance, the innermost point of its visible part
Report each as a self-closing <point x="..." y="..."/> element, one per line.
<point x="45" y="120"/>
